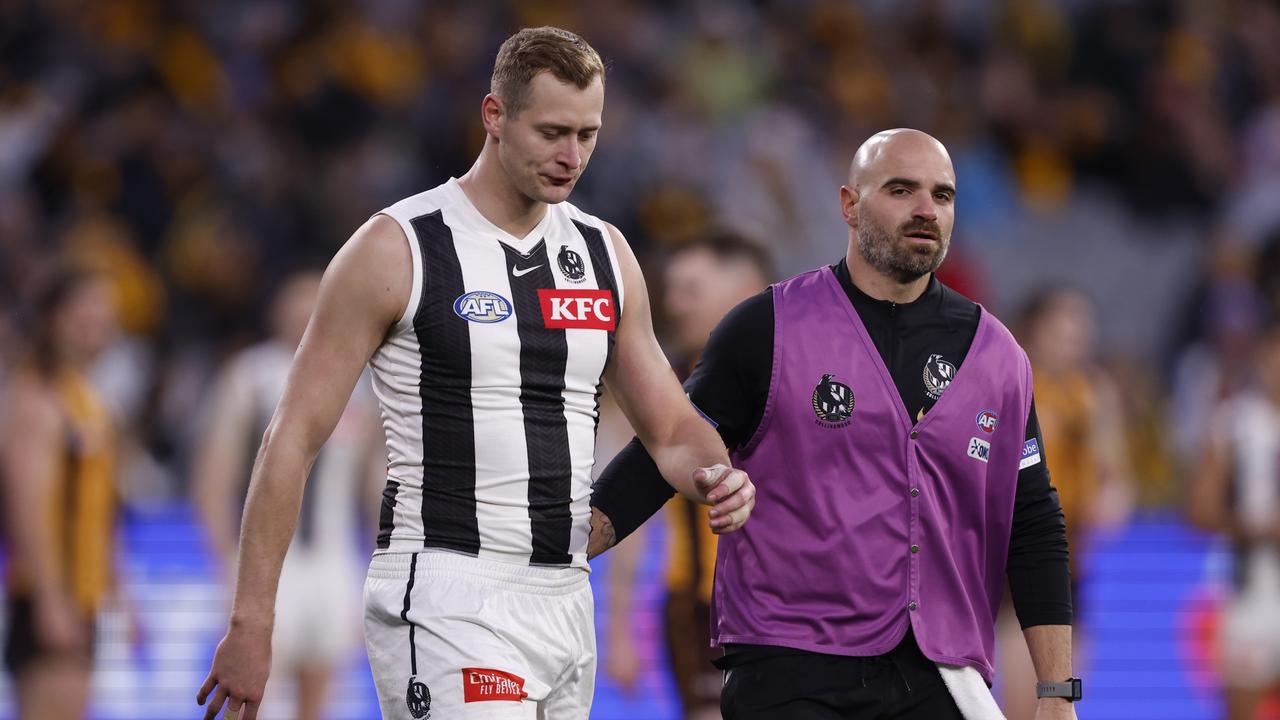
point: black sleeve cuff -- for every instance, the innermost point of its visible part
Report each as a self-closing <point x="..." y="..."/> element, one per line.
<point x="631" y="489"/>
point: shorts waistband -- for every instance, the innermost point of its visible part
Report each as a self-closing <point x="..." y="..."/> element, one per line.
<point x="533" y="579"/>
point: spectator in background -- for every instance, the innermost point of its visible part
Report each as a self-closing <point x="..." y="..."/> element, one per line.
<point x="1237" y="492"/>
<point x="1081" y="419"/>
<point x="704" y="279"/>
<point x="318" y="604"/>
<point x="57" y="461"/>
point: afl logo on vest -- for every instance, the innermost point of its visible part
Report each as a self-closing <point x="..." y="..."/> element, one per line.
<point x="571" y="264"/>
<point x="482" y="306"/>
<point x="987" y="421"/>
<point x="832" y="402"/>
<point x="938" y="374"/>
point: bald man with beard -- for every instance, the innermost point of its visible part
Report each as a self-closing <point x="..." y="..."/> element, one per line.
<point x="889" y="426"/>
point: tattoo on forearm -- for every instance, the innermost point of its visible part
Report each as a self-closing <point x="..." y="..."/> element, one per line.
<point x="603" y="536"/>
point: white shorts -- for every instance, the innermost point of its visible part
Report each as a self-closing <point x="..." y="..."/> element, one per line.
<point x="453" y="636"/>
<point x="317" y="611"/>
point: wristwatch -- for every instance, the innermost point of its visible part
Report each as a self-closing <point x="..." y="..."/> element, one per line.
<point x="1070" y="689"/>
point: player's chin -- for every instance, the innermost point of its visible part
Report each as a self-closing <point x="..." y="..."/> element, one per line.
<point x="554" y="190"/>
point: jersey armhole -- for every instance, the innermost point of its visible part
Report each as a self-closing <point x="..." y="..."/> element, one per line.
<point x="612" y="254"/>
<point x="405" y="321"/>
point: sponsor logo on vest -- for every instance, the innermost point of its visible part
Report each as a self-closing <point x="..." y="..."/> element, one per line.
<point x="580" y="309"/>
<point x="979" y="449"/>
<point x="571" y="265"/>
<point x="987" y="421"/>
<point x="832" y="402"/>
<point x="418" y="698"/>
<point x="938" y="374"/>
<point x="484" y="684"/>
<point x="1030" y="454"/>
<point x="482" y="306"/>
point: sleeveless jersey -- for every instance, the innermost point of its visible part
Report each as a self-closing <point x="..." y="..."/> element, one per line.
<point x="490" y="382"/>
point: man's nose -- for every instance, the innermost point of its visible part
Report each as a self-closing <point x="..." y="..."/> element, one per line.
<point x="570" y="154"/>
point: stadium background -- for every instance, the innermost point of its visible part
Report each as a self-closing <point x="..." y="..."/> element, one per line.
<point x="194" y="151"/>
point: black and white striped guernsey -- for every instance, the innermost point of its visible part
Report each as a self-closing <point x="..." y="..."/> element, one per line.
<point x="490" y="381"/>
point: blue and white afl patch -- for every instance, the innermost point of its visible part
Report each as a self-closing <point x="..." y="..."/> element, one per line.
<point x="987" y="421"/>
<point x="1030" y="454"/>
<point x="979" y="449"/>
<point x="482" y="306"/>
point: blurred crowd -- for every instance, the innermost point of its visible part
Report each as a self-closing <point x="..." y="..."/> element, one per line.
<point x="196" y="153"/>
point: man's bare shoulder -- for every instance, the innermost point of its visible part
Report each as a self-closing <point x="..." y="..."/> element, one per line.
<point x="374" y="267"/>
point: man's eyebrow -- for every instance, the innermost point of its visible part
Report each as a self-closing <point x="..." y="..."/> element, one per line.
<point x="906" y="182"/>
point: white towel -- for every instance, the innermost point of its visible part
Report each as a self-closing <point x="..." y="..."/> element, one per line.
<point x="970" y="692"/>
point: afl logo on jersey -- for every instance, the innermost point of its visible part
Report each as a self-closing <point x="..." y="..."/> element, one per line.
<point x="832" y="402"/>
<point x="571" y="264"/>
<point x="987" y="421"/>
<point x="482" y="306"/>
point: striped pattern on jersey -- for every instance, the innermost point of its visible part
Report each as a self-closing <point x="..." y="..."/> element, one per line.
<point x="490" y="382"/>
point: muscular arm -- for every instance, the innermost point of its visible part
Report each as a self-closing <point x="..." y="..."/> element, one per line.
<point x="730" y="384"/>
<point x="649" y="394"/>
<point x="363" y="293"/>
<point x="1050" y="647"/>
<point x="682" y="444"/>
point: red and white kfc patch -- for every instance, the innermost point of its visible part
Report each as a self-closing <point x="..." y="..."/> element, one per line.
<point x="482" y="684"/>
<point x="577" y="309"/>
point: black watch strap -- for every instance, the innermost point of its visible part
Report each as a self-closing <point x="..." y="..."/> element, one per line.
<point x="1070" y="689"/>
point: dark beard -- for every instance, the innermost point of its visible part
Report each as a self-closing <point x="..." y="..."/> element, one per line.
<point x="883" y="252"/>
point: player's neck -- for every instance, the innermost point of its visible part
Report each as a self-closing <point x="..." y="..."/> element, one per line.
<point x="493" y="194"/>
<point x="880" y="286"/>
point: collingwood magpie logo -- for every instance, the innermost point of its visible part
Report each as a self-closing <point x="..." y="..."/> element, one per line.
<point x="832" y="401"/>
<point x="418" y="698"/>
<point x="571" y="264"/>
<point x="938" y="374"/>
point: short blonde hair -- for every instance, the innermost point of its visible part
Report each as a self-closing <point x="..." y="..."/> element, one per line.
<point x="532" y="50"/>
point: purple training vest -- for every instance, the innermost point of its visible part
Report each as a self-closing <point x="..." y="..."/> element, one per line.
<point x="865" y="521"/>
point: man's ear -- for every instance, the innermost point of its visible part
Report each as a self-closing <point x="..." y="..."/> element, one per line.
<point x="849" y="205"/>
<point x="492" y="113"/>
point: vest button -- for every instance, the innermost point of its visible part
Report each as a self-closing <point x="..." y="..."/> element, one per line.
<point x="915" y="434"/>
<point x="915" y="548"/>
<point x="915" y="492"/>
<point x="912" y="606"/>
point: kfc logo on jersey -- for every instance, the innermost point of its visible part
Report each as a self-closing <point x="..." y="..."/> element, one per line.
<point x="987" y="421"/>
<point x="485" y="684"/>
<point x="577" y="309"/>
<point x="482" y="306"/>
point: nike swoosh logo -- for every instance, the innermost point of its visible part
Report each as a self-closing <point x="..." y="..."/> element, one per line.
<point x="518" y="272"/>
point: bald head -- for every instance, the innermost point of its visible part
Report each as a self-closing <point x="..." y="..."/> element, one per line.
<point x="890" y="149"/>
<point x="900" y="204"/>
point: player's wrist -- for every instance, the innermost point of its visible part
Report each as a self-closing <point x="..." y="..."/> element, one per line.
<point x="251" y="621"/>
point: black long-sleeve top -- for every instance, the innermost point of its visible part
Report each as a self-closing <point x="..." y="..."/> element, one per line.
<point x="730" y="386"/>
